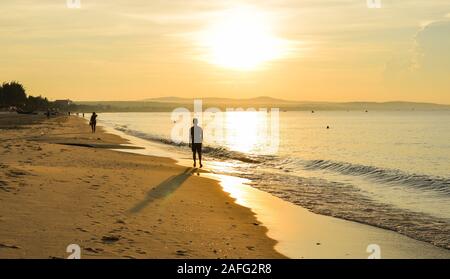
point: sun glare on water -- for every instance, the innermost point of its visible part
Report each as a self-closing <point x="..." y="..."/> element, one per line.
<point x="242" y="39"/>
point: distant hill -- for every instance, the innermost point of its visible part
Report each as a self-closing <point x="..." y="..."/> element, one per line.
<point x="170" y="103"/>
<point x="262" y="99"/>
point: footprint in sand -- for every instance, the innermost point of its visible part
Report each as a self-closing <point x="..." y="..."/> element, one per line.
<point x="182" y="253"/>
<point x="113" y="231"/>
<point x="109" y="239"/>
<point x="81" y="230"/>
<point x="16" y="173"/>
<point x="119" y="221"/>
<point x="94" y="250"/>
<point x="4" y="186"/>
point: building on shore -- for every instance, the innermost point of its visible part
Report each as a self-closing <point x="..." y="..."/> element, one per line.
<point x="63" y="103"/>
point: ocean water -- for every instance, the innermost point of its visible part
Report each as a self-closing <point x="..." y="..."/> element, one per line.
<point x="386" y="169"/>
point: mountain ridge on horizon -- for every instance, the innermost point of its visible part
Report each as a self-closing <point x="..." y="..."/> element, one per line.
<point x="221" y="99"/>
<point x="164" y="104"/>
<point x="260" y="99"/>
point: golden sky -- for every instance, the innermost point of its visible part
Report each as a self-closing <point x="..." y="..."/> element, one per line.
<point x="317" y="50"/>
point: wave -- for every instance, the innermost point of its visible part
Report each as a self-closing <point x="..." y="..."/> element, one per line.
<point x="386" y="176"/>
<point x="380" y="175"/>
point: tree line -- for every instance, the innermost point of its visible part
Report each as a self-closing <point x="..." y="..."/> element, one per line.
<point x="13" y="94"/>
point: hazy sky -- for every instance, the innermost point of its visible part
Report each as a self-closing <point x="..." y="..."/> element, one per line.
<point x="323" y="50"/>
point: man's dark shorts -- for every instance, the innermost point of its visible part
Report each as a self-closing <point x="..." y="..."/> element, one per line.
<point x="197" y="147"/>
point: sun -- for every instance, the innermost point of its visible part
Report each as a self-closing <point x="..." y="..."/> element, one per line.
<point x="242" y="39"/>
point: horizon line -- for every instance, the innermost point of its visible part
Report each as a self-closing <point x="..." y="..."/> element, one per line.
<point x="155" y="99"/>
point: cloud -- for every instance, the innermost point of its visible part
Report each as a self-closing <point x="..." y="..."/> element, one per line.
<point x="432" y="48"/>
<point x="429" y="51"/>
<point x="425" y="66"/>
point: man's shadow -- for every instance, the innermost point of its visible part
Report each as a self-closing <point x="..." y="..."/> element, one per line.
<point x="163" y="189"/>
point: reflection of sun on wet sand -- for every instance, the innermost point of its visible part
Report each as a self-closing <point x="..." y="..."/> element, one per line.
<point x="55" y="190"/>
<point x="303" y="234"/>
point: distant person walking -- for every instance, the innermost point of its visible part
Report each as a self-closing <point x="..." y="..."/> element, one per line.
<point x="93" y="122"/>
<point x="195" y="142"/>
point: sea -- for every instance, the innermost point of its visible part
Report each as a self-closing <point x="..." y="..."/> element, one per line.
<point x="389" y="169"/>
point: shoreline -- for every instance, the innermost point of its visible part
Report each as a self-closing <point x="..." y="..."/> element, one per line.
<point x="112" y="204"/>
<point x="166" y="210"/>
<point x="345" y="239"/>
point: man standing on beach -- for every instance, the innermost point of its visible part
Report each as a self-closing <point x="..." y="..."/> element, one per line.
<point x="195" y="141"/>
<point x="93" y="122"/>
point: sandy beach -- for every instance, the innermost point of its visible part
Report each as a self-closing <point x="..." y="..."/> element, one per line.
<point x="60" y="185"/>
<point x="225" y="130"/>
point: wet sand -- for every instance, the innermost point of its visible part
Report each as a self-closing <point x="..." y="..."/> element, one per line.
<point x="302" y="234"/>
<point x="62" y="185"/>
